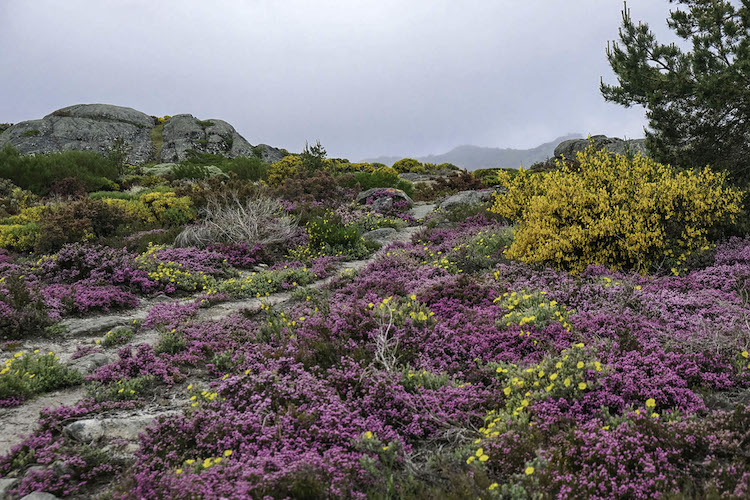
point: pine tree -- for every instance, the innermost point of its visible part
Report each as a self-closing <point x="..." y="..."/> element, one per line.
<point x="697" y="101"/>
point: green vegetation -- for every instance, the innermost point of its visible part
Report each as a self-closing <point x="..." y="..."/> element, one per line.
<point x="28" y="374"/>
<point x="157" y="139"/>
<point x="38" y="173"/>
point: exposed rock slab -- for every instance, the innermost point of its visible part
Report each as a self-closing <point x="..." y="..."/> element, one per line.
<point x="84" y="127"/>
<point x="467" y="198"/>
<point x="379" y="234"/>
<point x="569" y="148"/>
<point x="127" y="428"/>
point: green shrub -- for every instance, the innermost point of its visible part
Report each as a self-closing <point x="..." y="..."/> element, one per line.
<point x="38" y="173"/>
<point x="118" y="336"/>
<point x="266" y="282"/>
<point x="122" y="390"/>
<point x="19" y="237"/>
<point x="28" y="374"/>
<point x="384" y="177"/>
<point x="117" y="195"/>
<point x="408" y="165"/>
<point x="246" y="168"/>
<point x="31" y="133"/>
<point x="205" y="123"/>
<point x="171" y="342"/>
<point x="330" y="232"/>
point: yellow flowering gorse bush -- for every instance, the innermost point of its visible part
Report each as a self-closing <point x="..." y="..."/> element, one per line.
<point x="613" y="211"/>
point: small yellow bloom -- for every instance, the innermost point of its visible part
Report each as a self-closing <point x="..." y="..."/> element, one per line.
<point x="529" y="471"/>
<point x="650" y="403"/>
<point x="582" y="386"/>
<point x="178" y="471"/>
<point x="228" y="453"/>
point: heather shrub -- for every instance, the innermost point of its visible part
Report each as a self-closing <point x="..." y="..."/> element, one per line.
<point x="227" y="219"/>
<point x="615" y="211"/>
<point x="40" y="172"/>
<point x="28" y="374"/>
<point x="23" y="310"/>
<point x="79" y="220"/>
<point x="69" y="187"/>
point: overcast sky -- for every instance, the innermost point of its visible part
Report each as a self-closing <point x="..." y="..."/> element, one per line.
<point x="367" y="78"/>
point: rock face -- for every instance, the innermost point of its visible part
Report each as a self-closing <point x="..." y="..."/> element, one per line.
<point x="86" y="127"/>
<point x="182" y="133"/>
<point x="94" y="127"/>
<point x="612" y="144"/>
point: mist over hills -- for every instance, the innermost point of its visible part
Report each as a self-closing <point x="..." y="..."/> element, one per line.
<point x="474" y="157"/>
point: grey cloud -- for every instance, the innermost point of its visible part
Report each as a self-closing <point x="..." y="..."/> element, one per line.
<point x="366" y="78"/>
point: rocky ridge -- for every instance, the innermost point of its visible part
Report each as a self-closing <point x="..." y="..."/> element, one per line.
<point x="95" y="127"/>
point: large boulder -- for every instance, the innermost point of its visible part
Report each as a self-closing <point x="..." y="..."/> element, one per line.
<point x="363" y="196"/>
<point x="85" y="127"/>
<point x="94" y="127"/>
<point x="569" y="148"/>
<point x="467" y="198"/>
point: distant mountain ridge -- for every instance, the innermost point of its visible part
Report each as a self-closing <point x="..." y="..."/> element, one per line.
<point x="474" y="157"/>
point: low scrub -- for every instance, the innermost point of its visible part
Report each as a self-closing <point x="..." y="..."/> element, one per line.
<point x="226" y="219"/>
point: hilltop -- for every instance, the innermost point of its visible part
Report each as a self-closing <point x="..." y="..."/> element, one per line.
<point x="96" y="127"/>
